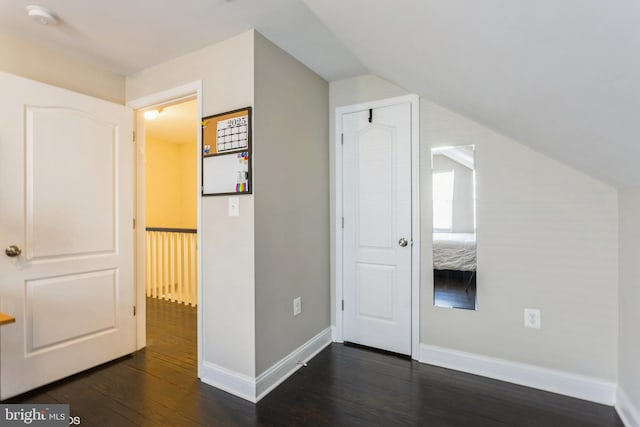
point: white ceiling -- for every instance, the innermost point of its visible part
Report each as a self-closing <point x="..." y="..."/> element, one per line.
<point x="562" y="76"/>
<point x="128" y="35"/>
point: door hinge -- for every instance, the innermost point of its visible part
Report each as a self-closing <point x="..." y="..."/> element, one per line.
<point x="134" y="136"/>
<point x="342" y="222"/>
<point x="134" y="223"/>
<point x="134" y="311"/>
<point x="342" y="139"/>
<point x="342" y="305"/>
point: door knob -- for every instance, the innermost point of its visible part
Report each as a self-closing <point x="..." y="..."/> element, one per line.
<point x="13" y="251"/>
<point x="403" y="242"/>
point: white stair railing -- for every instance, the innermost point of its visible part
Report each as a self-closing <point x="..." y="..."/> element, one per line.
<point x="171" y="265"/>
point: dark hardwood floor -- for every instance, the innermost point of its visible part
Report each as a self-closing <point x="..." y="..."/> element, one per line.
<point x="342" y="386"/>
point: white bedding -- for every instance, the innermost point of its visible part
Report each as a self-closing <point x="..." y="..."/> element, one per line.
<point x="454" y="251"/>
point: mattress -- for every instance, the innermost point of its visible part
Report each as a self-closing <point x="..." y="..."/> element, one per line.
<point x="454" y="251"/>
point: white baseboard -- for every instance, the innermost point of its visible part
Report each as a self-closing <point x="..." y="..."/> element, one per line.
<point x="628" y="412"/>
<point x="568" y="384"/>
<point x="230" y="381"/>
<point x="255" y="389"/>
<point x="282" y="370"/>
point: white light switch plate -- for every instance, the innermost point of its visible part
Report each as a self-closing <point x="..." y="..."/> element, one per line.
<point x="297" y="306"/>
<point x="234" y="206"/>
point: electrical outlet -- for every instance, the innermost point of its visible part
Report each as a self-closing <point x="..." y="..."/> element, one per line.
<point x="532" y="318"/>
<point x="297" y="306"/>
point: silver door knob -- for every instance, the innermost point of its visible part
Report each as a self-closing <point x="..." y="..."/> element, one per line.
<point x="13" y="251"/>
<point x="403" y="242"/>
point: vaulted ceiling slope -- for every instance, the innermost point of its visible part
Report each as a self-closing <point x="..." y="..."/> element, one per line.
<point x="562" y="76"/>
<point x="126" y="36"/>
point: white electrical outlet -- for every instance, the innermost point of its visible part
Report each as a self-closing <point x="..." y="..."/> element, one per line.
<point x="297" y="306"/>
<point x="532" y="318"/>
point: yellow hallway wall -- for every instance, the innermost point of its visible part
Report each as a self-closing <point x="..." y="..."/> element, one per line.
<point x="170" y="184"/>
<point x="188" y="191"/>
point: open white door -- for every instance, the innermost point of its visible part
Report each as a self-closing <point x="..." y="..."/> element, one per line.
<point x="377" y="235"/>
<point x="66" y="201"/>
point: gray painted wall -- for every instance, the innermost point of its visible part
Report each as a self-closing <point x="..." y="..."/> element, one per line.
<point x="629" y="368"/>
<point x="547" y="238"/>
<point x="291" y="176"/>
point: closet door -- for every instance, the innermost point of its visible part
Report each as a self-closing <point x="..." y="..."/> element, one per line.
<point x="377" y="227"/>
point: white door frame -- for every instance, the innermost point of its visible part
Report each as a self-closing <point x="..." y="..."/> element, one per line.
<point x="189" y="90"/>
<point x="414" y="100"/>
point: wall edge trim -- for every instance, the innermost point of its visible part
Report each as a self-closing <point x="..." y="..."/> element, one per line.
<point x="287" y="366"/>
<point x="555" y="381"/>
<point x="627" y="411"/>
<point x="230" y="381"/>
<point x="252" y="389"/>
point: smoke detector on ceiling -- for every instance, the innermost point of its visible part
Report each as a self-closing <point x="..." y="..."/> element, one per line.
<point x="42" y="15"/>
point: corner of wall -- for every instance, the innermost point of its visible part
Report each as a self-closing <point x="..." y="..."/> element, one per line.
<point x="290" y="173"/>
<point x="628" y="403"/>
<point x="628" y="411"/>
<point x="255" y="388"/>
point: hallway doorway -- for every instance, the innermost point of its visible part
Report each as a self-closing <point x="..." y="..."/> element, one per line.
<point x="170" y="139"/>
<point x="167" y="229"/>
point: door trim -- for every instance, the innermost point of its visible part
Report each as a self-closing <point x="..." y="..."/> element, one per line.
<point x="185" y="91"/>
<point x="337" y="296"/>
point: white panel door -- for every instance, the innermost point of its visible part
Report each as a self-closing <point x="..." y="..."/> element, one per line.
<point x="377" y="227"/>
<point x="66" y="200"/>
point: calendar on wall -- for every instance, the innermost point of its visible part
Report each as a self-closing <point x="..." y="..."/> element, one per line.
<point x="226" y="153"/>
<point x="232" y="134"/>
